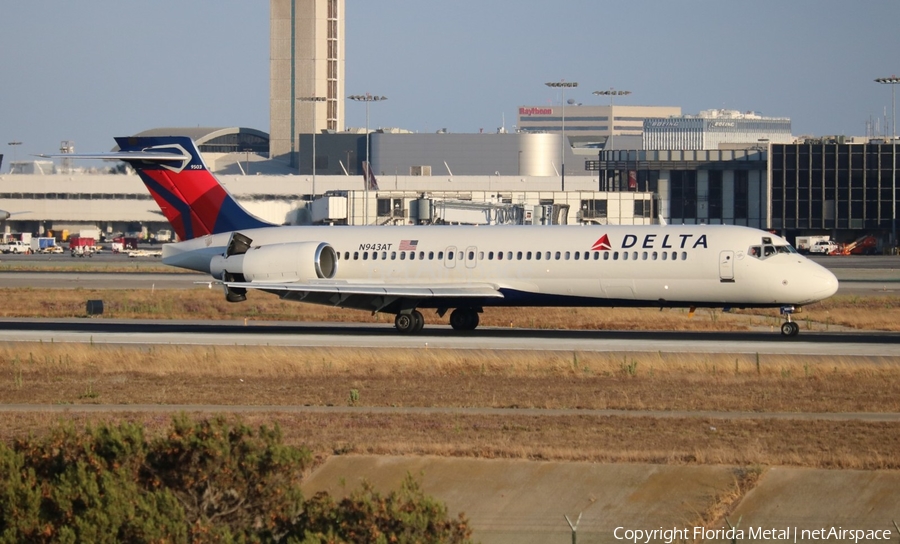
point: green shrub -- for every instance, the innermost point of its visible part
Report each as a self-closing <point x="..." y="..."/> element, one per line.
<point x="204" y="481"/>
<point x="82" y="487"/>
<point x="228" y="479"/>
<point x="404" y="516"/>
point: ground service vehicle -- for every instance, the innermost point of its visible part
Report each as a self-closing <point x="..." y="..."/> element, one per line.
<point x="43" y="244"/>
<point x="866" y="245"/>
<point x="824" y="247"/>
<point x="804" y="243"/>
<point x="15" y="246"/>
<point x="82" y="246"/>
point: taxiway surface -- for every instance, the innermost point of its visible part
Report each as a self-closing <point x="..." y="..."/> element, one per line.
<point x="304" y="334"/>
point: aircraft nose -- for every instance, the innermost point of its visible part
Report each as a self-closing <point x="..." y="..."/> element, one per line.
<point x="825" y="284"/>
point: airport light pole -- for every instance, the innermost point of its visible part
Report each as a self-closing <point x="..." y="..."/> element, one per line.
<point x="13" y="143"/>
<point x="368" y="166"/>
<point x="612" y="120"/>
<point x="562" y="85"/>
<point x="893" y="81"/>
<point x="313" y="99"/>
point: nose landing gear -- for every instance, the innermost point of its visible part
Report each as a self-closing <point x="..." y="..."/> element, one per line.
<point x="789" y="328"/>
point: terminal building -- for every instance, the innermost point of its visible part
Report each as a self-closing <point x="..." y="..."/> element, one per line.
<point x="591" y="125"/>
<point x="715" y="129"/>
<point x="844" y="189"/>
<point x="826" y="186"/>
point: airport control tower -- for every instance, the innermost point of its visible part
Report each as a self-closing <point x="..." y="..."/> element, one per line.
<point x="306" y="72"/>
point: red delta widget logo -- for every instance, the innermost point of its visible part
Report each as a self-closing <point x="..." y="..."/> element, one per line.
<point x="654" y="241"/>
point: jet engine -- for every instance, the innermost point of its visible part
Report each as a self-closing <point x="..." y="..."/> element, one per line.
<point x="289" y="262"/>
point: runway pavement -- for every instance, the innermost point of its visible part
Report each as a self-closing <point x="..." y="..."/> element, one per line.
<point x="297" y="334"/>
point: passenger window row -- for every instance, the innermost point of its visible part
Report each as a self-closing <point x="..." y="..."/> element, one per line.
<point x="518" y="255"/>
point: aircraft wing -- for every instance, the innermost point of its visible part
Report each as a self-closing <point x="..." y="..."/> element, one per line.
<point x="434" y="290"/>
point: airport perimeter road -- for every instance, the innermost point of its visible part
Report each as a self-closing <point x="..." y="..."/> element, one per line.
<point x="444" y="410"/>
<point x="268" y="333"/>
<point x="102" y="280"/>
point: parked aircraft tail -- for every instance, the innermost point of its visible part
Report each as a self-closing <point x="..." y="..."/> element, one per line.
<point x="189" y="195"/>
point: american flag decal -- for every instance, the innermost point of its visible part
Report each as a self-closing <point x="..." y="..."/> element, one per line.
<point x="408" y="245"/>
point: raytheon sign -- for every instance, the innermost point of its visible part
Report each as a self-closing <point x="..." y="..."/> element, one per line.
<point x="535" y="111"/>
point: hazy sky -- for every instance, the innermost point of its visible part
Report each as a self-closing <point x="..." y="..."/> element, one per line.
<point x="91" y="70"/>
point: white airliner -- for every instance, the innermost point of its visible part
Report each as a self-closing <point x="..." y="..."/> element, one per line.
<point x="463" y="269"/>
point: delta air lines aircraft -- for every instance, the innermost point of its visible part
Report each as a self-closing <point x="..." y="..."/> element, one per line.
<point x="463" y="269"/>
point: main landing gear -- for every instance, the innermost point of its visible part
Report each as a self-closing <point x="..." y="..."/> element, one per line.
<point x="464" y="319"/>
<point x="461" y="319"/>
<point x="409" y="323"/>
<point x="789" y="328"/>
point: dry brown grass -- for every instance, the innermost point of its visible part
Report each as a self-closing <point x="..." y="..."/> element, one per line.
<point x="871" y="313"/>
<point x="65" y="263"/>
<point x="84" y="374"/>
<point x="62" y="374"/>
<point x="275" y="376"/>
<point x="765" y="442"/>
<point x="48" y="373"/>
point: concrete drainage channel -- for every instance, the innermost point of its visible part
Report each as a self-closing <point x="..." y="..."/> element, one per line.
<point x="514" y="501"/>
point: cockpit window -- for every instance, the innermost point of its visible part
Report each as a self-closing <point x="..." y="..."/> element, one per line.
<point x="765" y="251"/>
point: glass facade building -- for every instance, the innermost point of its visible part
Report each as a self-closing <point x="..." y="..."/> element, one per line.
<point x="829" y="187"/>
<point x="694" y="186"/>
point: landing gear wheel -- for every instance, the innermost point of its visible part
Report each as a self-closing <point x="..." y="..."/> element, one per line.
<point x="789" y="328"/>
<point x="410" y="323"/>
<point x="420" y="321"/>
<point x="464" y="319"/>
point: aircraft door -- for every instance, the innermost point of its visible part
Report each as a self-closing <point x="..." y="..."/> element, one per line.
<point x="450" y="257"/>
<point x="726" y="266"/>
<point x="471" y="256"/>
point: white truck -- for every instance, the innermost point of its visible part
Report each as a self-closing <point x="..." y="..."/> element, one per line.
<point x="804" y="243"/>
<point x="823" y="247"/>
<point x="15" y="246"/>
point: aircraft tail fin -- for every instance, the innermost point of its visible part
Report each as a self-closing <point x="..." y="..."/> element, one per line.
<point x="188" y="194"/>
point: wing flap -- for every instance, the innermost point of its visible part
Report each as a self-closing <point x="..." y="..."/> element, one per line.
<point x="461" y="290"/>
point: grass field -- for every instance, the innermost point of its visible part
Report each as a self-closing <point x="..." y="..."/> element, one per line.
<point x="84" y="374"/>
<point x="66" y="374"/>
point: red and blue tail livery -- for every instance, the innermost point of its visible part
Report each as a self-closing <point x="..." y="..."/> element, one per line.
<point x="190" y="197"/>
<point x="188" y="194"/>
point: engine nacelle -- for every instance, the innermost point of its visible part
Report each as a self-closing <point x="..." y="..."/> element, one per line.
<point x="300" y="261"/>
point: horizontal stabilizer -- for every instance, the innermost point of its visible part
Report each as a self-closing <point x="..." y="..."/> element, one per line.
<point x="149" y="156"/>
